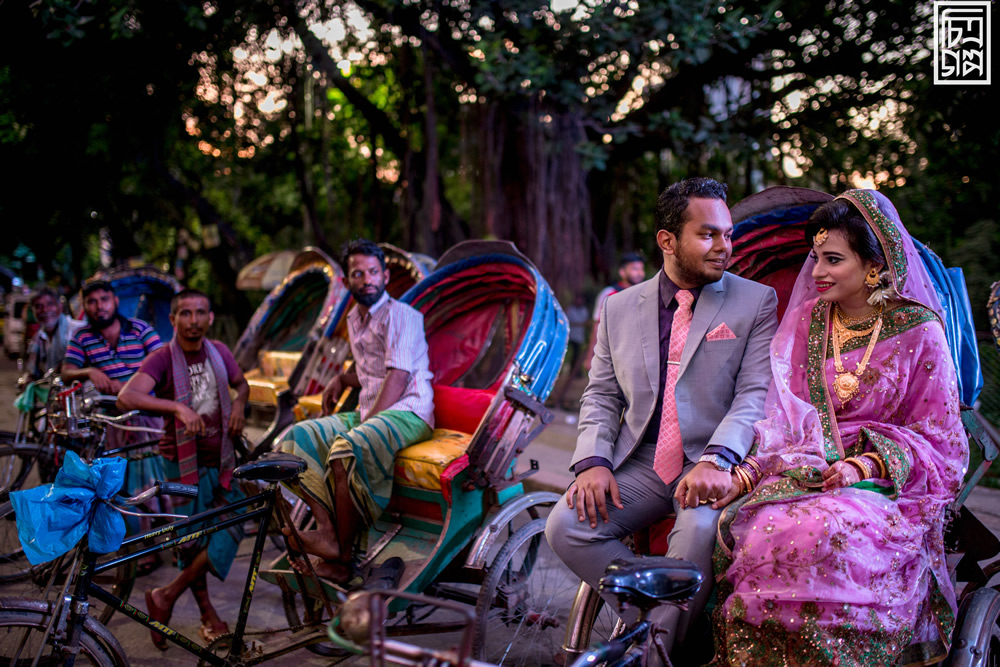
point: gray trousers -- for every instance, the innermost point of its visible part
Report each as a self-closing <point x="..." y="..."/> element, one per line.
<point x="588" y="551"/>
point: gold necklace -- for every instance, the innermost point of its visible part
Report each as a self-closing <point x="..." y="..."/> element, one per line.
<point x="846" y="383"/>
<point x="846" y="334"/>
<point x="856" y="321"/>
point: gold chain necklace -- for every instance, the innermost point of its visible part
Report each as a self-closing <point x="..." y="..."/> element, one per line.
<point x="846" y="383"/>
<point x="857" y="321"/>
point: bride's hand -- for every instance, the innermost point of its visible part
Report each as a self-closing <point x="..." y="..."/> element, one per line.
<point x="839" y="475"/>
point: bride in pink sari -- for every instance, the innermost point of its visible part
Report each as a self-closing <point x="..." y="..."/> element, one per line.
<point x="833" y="555"/>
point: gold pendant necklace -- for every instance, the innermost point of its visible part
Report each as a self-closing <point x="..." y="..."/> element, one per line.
<point x="846" y="383"/>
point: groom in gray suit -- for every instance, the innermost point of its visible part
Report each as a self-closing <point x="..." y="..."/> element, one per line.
<point x="662" y="421"/>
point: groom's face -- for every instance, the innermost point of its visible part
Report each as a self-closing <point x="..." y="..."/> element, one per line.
<point x="705" y="243"/>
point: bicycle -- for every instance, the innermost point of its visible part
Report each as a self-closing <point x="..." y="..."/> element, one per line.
<point x="89" y="432"/>
<point x="644" y="583"/>
<point x="63" y="630"/>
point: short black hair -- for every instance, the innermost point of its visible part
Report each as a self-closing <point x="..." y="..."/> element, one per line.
<point x="674" y="200"/>
<point x="842" y="214"/>
<point x="630" y="257"/>
<point x="96" y="284"/>
<point x="360" y="247"/>
<point x="45" y="291"/>
<point x="187" y="293"/>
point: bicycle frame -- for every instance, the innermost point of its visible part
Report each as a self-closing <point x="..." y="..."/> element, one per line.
<point x="85" y="587"/>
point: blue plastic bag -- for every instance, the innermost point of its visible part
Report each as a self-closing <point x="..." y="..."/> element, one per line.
<point x="52" y="518"/>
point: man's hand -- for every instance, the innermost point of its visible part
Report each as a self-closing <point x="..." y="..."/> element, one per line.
<point x="193" y="424"/>
<point x="102" y="382"/>
<point x="237" y="420"/>
<point x="331" y="394"/>
<point x="704" y="483"/>
<point x="591" y="488"/>
<point x="734" y="493"/>
<point x="839" y="475"/>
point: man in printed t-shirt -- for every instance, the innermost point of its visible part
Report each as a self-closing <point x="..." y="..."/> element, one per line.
<point x="191" y="378"/>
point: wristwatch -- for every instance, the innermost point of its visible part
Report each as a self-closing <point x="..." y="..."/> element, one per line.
<point x="720" y="462"/>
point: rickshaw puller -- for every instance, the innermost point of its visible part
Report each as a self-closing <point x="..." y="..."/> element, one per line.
<point x="350" y="455"/>
<point x="190" y="381"/>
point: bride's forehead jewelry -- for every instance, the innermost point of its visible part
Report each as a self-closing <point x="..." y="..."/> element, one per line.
<point x="821" y="236"/>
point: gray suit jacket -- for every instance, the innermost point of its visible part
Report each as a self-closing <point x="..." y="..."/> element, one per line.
<point x="722" y="384"/>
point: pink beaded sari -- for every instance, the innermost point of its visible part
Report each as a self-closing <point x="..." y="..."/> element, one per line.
<point x="856" y="575"/>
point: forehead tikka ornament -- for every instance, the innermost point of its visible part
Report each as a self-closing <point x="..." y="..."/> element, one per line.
<point x="821" y="236"/>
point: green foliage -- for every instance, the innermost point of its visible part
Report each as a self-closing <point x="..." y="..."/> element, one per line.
<point x="159" y="119"/>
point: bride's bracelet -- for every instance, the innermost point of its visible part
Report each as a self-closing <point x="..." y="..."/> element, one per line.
<point x="863" y="466"/>
<point x="748" y="474"/>
<point x="878" y="465"/>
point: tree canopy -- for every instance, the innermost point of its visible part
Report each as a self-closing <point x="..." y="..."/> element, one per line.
<point x="204" y="133"/>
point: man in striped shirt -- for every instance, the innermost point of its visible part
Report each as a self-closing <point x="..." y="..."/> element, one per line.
<point x="110" y="349"/>
<point x="350" y="455"/>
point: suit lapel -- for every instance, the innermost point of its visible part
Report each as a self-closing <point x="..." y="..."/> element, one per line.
<point x="649" y="330"/>
<point x="709" y="303"/>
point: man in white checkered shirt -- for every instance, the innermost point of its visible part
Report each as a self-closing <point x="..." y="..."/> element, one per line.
<point x="350" y="455"/>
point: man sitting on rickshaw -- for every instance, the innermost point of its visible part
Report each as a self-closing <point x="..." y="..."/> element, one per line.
<point x="350" y="455"/>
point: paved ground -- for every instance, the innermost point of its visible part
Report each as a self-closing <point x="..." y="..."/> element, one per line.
<point x="552" y="450"/>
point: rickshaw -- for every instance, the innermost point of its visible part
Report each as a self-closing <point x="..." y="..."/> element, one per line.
<point x="294" y="342"/>
<point x="290" y="316"/>
<point x="459" y="517"/>
<point x="769" y="246"/>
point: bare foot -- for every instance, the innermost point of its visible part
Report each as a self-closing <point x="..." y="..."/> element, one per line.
<point x="335" y="571"/>
<point x="316" y="542"/>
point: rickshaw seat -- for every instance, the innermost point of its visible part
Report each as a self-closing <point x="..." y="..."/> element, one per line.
<point x="457" y="413"/>
<point x="420" y="466"/>
<point x="271" y="376"/>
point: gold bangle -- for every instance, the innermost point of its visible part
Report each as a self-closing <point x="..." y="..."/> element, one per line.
<point x="882" y="470"/>
<point x="862" y="469"/>
<point x="755" y="464"/>
<point x="745" y="481"/>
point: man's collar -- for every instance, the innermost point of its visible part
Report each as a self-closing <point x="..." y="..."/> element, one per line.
<point x="668" y="289"/>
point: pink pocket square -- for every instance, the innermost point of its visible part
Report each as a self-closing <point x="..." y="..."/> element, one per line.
<point x="721" y="332"/>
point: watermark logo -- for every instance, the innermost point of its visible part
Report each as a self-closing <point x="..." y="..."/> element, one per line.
<point x="962" y="46"/>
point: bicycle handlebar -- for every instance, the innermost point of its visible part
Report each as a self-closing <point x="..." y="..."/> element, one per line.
<point x="163" y="489"/>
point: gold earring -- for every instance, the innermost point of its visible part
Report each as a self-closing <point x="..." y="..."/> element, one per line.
<point x="872" y="279"/>
<point x="821" y="237"/>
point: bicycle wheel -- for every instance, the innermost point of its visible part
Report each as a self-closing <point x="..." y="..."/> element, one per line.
<point x="24" y="465"/>
<point x="13" y="564"/>
<point x="524" y="602"/>
<point x="21" y="633"/>
<point x="15" y="568"/>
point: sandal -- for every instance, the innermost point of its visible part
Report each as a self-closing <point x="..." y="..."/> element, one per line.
<point x="210" y="634"/>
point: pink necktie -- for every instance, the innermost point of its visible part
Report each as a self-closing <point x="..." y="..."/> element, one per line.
<point x="669" y="457"/>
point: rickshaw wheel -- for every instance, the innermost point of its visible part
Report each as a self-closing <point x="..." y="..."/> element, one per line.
<point x="976" y="640"/>
<point x="524" y="601"/>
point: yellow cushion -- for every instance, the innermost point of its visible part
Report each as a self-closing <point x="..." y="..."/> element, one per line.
<point x="264" y="390"/>
<point x="277" y="364"/>
<point x="310" y="407"/>
<point x="420" y="465"/>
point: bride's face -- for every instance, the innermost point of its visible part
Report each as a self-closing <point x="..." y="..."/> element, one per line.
<point x="839" y="271"/>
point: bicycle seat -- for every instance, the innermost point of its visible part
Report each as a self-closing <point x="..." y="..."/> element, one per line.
<point x="271" y="467"/>
<point x="648" y="582"/>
